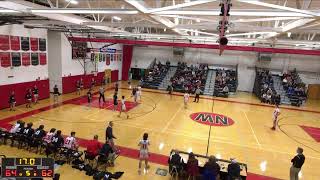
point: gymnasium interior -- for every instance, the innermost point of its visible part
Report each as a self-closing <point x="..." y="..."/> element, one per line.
<point x="198" y="89"/>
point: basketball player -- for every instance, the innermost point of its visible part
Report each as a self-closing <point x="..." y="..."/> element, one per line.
<point x="186" y="97"/>
<point x="144" y="152"/>
<point x="12" y="101"/>
<point x="139" y="93"/>
<point x="81" y="84"/>
<point x="115" y="101"/>
<point x="93" y="82"/>
<point x="116" y="87"/>
<point x="134" y="94"/>
<point x="276" y="114"/>
<point x="35" y="94"/>
<point x="55" y="94"/>
<point x="123" y="107"/>
<point x="78" y="86"/>
<point x="101" y="94"/>
<point x="89" y="95"/>
<point x="28" y="98"/>
<point x="71" y="142"/>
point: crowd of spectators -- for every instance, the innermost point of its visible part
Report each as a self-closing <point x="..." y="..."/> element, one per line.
<point x="225" y="82"/>
<point x="267" y="91"/>
<point x="293" y="85"/>
<point x="155" y="75"/>
<point x="188" y="79"/>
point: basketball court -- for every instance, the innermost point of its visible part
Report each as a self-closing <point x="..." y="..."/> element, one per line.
<point x="247" y="136"/>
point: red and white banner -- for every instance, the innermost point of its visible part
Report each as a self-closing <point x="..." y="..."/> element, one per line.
<point x="15" y="42"/>
<point x="26" y="59"/>
<point x="34" y="44"/>
<point x="43" y="58"/>
<point x="107" y="59"/>
<point x="5" y="59"/>
<point x="4" y="42"/>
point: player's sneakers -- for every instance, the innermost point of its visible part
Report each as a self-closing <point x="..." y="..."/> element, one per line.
<point x="273" y="128"/>
<point x="127" y="116"/>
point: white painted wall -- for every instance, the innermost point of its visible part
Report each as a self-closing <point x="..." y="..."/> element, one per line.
<point x="23" y="73"/>
<point x="74" y="67"/>
<point x="54" y="56"/>
<point x="246" y="61"/>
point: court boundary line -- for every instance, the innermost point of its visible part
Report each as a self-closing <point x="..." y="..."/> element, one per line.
<point x="230" y="101"/>
<point x="171" y="119"/>
<point x="254" y="134"/>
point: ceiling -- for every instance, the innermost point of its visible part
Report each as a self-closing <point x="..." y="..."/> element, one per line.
<point x="265" y="23"/>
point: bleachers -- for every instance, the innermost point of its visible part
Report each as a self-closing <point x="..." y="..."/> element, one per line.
<point x="294" y="87"/>
<point x="155" y="75"/>
<point x="225" y="78"/>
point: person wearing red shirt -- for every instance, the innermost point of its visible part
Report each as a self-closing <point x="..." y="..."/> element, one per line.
<point x="94" y="146"/>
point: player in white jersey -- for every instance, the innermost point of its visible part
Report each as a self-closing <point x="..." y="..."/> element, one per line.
<point x="139" y="93"/>
<point x="275" y="115"/>
<point x="186" y="97"/>
<point x="144" y="151"/>
<point x="123" y="107"/>
<point x="71" y="142"/>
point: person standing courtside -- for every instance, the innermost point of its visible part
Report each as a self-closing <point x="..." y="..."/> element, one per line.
<point x="115" y="101"/>
<point x="109" y="135"/>
<point x="28" y="98"/>
<point x="101" y="94"/>
<point x="35" y="94"/>
<point x="78" y="86"/>
<point x="89" y="95"/>
<point x="297" y="163"/>
<point x="12" y="101"/>
<point x="55" y="94"/>
<point x="197" y="97"/>
<point x="276" y="114"/>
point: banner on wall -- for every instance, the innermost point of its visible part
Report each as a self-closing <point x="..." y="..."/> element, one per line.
<point x="25" y="43"/>
<point x="103" y="57"/>
<point x="16" y="59"/>
<point x="34" y="59"/>
<point x="42" y="44"/>
<point x="34" y="44"/>
<point x="25" y="59"/>
<point x="115" y="57"/>
<point x="15" y="43"/>
<point x="111" y="57"/>
<point x="107" y="59"/>
<point x="5" y="60"/>
<point x="120" y="57"/>
<point x="96" y="57"/>
<point x="100" y="57"/>
<point x="43" y="58"/>
<point x="92" y="57"/>
<point x="4" y="42"/>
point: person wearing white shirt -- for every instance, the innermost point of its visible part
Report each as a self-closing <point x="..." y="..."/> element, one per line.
<point x="186" y="99"/>
<point x="144" y="151"/>
<point x="275" y="115"/>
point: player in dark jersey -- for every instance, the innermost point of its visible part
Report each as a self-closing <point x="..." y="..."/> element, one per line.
<point x="115" y="101"/>
<point x="28" y="98"/>
<point x="35" y="94"/>
<point x="78" y="86"/>
<point x="56" y="94"/>
<point x="89" y="95"/>
<point x="81" y="84"/>
<point x="12" y="101"/>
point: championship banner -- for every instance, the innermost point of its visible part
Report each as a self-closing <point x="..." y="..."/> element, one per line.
<point x="42" y="44"/>
<point x="100" y="57"/>
<point x="5" y="60"/>
<point x="111" y="57"/>
<point x="34" y="59"/>
<point x="103" y="57"/>
<point x="34" y="44"/>
<point x="25" y="59"/>
<point x="107" y="59"/>
<point x="120" y="57"/>
<point x="96" y="57"/>
<point x="15" y="43"/>
<point x="43" y="58"/>
<point x="16" y="59"/>
<point x="115" y="57"/>
<point x="92" y="57"/>
<point x="4" y="42"/>
<point x="25" y="43"/>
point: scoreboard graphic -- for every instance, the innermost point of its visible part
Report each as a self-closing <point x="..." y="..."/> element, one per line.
<point x="27" y="167"/>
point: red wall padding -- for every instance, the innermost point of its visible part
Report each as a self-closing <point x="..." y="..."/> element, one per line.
<point x="114" y="76"/>
<point x="126" y="62"/>
<point x="20" y="91"/>
<point x="69" y="82"/>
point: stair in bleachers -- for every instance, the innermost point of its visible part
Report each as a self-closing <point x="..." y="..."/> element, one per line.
<point x="277" y="83"/>
<point x="166" y="80"/>
<point x="210" y="81"/>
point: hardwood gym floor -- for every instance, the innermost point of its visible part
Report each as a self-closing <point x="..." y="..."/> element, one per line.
<point x="169" y="125"/>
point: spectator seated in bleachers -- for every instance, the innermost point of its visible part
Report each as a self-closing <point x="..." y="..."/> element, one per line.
<point x="295" y="88"/>
<point x="267" y="92"/>
<point x="225" y="82"/>
<point x="189" y="78"/>
<point x="155" y="75"/>
<point x="175" y="162"/>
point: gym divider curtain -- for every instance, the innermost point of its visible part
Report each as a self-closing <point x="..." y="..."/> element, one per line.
<point x="127" y="51"/>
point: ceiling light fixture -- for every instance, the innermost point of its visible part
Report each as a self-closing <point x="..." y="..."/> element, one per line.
<point x="116" y="18"/>
<point x="72" y="1"/>
<point x="289" y="34"/>
<point x="165" y="29"/>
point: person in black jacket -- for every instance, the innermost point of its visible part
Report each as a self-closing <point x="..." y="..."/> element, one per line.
<point x="12" y="101"/>
<point x="297" y="163"/>
<point x="234" y="170"/>
<point x="89" y="96"/>
<point x="109" y="134"/>
<point x="35" y="94"/>
<point x="56" y="94"/>
<point x="175" y="160"/>
<point x="28" y="98"/>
